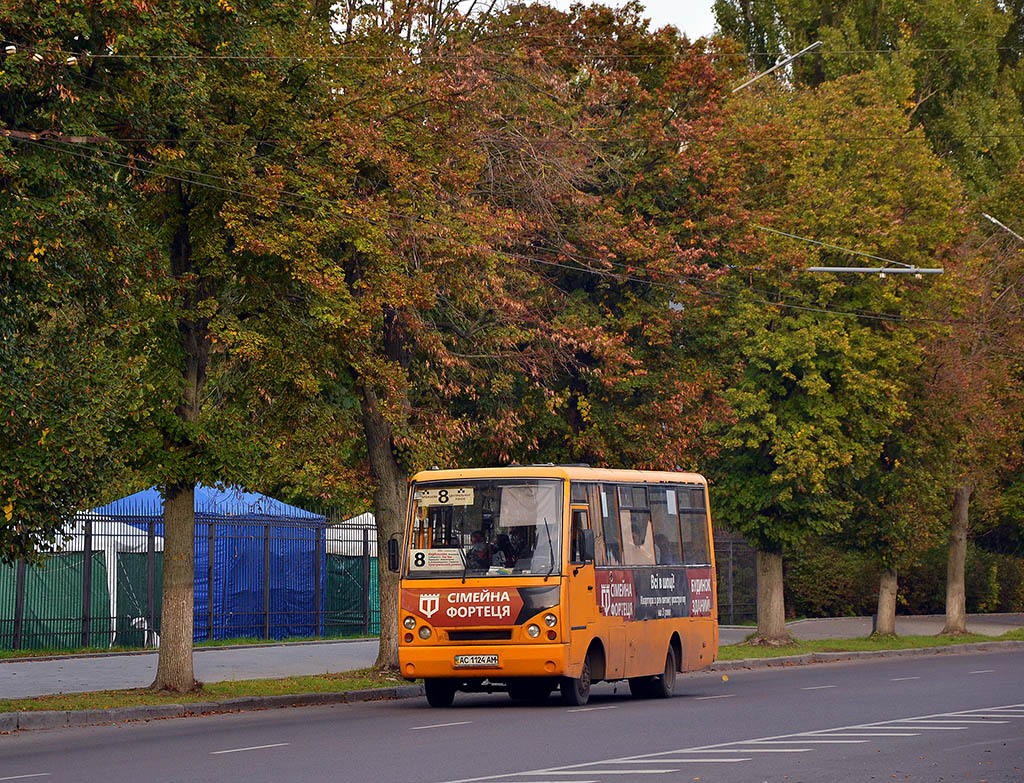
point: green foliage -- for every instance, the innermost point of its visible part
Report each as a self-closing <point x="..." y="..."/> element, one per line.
<point x="815" y="393"/>
<point x="966" y="90"/>
<point x="825" y="581"/>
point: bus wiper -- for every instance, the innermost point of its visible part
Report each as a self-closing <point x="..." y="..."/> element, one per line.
<point x="551" y="548"/>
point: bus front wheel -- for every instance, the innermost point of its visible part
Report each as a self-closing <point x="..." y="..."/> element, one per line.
<point x="576" y="690"/>
<point x="440" y="692"/>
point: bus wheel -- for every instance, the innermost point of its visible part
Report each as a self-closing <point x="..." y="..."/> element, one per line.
<point x="440" y="692"/>
<point x="660" y="686"/>
<point x="576" y="690"/>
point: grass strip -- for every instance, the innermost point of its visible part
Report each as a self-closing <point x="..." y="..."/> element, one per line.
<point x="736" y="652"/>
<point x="214" y="691"/>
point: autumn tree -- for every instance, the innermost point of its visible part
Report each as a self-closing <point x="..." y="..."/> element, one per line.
<point x="189" y="105"/>
<point x="820" y="363"/>
<point x="68" y="389"/>
<point x="961" y="57"/>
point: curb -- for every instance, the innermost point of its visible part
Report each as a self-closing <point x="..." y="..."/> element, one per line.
<point x="860" y="655"/>
<point x="57" y="719"/>
<point x="53" y="719"/>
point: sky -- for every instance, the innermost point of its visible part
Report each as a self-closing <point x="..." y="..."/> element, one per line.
<point x="693" y="17"/>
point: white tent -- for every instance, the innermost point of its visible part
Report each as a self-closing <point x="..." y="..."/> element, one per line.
<point x="346" y="538"/>
<point x="109" y="537"/>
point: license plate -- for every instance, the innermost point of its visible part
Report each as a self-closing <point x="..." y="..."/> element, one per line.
<point x="476" y="660"/>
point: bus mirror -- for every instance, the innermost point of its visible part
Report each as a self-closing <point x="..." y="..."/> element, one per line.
<point x="587" y="546"/>
<point x="393" y="555"/>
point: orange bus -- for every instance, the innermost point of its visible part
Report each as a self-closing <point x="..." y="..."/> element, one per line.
<point x="530" y="578"/>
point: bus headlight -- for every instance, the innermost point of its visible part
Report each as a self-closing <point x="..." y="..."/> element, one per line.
<point x="550" y="620"/>
<point x="409" y="622"/>
<point x="533" y="630"/>
<point x="424" y="632"/>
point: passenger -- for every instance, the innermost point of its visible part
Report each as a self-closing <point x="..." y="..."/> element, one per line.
<point x="504" y="546"/>
<point x="478" y="556"/>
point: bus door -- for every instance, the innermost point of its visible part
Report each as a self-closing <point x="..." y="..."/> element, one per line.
<point x="582" y="605"/>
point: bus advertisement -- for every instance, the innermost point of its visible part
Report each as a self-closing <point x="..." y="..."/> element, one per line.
<point x="536" y="578"/>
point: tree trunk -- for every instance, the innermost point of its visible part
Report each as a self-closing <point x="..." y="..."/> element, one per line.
<point x="174" y="668"/>
<point x="956" y="598"/>
<point x="771" y="609"/>
<point x="390" y="498"/>
<point x="887" y="585"/>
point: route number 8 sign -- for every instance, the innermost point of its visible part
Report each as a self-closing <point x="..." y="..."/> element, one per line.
<point x="448" y="496"/>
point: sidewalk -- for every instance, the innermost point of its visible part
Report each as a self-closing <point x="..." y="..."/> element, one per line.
<point x="852" y="627"/>
<point x="21" y="679"/>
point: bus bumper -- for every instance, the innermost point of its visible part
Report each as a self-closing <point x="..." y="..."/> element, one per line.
<point x="526" y="660"/>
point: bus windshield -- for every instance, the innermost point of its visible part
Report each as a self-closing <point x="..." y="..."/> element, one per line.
<point x="486" y="528"/>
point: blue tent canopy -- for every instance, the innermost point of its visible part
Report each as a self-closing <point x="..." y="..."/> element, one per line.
<point x="232" y="501"/>
<point x="249" y="534"/>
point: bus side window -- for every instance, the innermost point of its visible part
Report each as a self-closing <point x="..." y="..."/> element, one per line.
<point x="611" y="552"/>
<point x="665" y="518"/>
<point x="693" y="523"/>
<point x="635" y="520"/>
<point x="580" y="521"/>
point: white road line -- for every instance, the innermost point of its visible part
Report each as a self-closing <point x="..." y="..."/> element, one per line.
<point x="919" y="727"/>
<point x="868" y="734"/>
<point x="442" y="725"/>
<point x="29" y="775"/>
<point x="900" y="679"/>
<point x="958" y="721"/>
<point x="818" y="687"/>
<point x="739" y="747"/>
<point x="993" y="715"/>
<point x="804" y="741"/>
<point x="746" y="750"/>
<point x="723" y="696"/>
<point x="254" y="747"/>
<point x="708" y="761"/>
<point x="603" y="772"/>
<point x="983" y="671"/>
<point x="591" y="709"/>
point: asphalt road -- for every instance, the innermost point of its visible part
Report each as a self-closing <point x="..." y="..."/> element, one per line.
<point x="929" y="718"/>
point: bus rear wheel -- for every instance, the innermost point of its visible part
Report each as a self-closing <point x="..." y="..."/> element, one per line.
<point x="440" y="692"/>
<point x="576" y="690"/>
<point x="660" y="686"/>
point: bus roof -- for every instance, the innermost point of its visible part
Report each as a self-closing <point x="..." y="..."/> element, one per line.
<point x="571" y="472"/>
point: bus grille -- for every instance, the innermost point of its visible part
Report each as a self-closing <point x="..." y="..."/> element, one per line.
<point x="478" y="636"/>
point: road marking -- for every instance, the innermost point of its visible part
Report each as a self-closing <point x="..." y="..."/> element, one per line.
<point x="442" y="725"/>
<point x="900" y="679"/>
<point x="29" y="775"/>
<point x="604" y="772"/>
<point x="983" y="671"/>
<point x="723" y="696"/>
<point x="740" y="748"/>
<point x="253" y="747"/>
<point x="915" y="721"/>
<point x="591" y="709"/>
<point x="748" y="750"/>
<point x="799" y="740"/>
<point x="919" y="727"/>
<point x="868" y="734"/>
<point x="818" y="687"/>
<point x="994" y="715"/>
